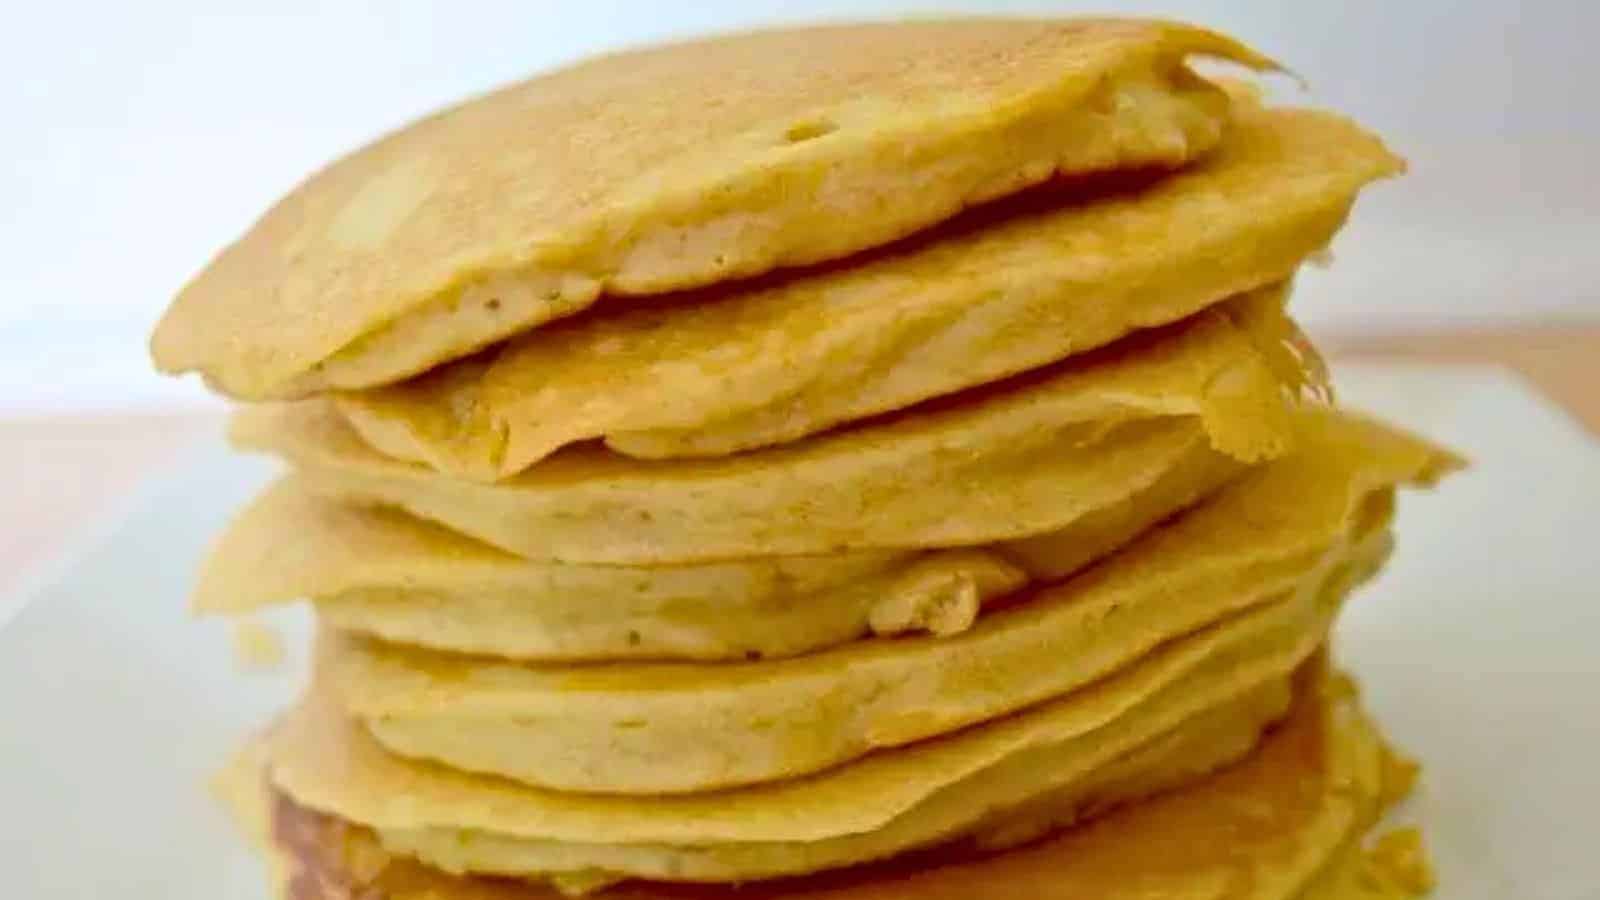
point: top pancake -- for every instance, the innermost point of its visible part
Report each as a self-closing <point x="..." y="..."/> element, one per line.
<point x="669" y="168"/>
<point x="1020" y="285"/>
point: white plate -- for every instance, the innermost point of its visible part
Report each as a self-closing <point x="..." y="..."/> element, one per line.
<point x="1476" y="647"/>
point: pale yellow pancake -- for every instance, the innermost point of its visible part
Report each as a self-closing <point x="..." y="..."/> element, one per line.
<point x="773" y="363"/>
<point x="646" y="728"/>
<point x="881" y="805"/>
<point x="671" y="167"/>
<point x="1040" y="792"/>
<point x="1286" y="823"/>
<point x="384" y="573"/>
<point x="1201" y="745"/>
<point x="1027" y="457"/>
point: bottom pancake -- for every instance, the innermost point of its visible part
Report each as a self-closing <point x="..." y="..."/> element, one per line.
<point x="883" y="805"/>
<point x="1287" y="822"/>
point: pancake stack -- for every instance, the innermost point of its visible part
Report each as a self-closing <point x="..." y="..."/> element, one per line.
<point x="853" y="462"/>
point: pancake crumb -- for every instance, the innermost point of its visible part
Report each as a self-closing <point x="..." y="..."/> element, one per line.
<point x="943" y="606"/>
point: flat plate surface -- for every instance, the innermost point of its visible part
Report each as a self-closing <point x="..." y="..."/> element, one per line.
<point x="1476" y="648"/>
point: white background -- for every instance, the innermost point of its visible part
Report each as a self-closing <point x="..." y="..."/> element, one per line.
<point x="136" y="138"/>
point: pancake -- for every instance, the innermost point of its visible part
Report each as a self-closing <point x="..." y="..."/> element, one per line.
<point x="383" y="573"/>
<point x="607" y="731"/>
<point x="768" y="364"/>
<point x="881" y="805"/>
<point x="672" y="167"/>
<point x="1063" y="785"/>
<point x="1008" y="461"/>
<point x="650" y="728"/>
<point x="1286" y="823"/>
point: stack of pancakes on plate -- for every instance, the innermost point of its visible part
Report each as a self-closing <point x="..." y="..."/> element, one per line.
<point x="852" y="462"/>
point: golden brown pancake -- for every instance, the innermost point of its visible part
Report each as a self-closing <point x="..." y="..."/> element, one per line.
<point x="1286" y="823"/>
<point x="1028" y="457"/>
<point x="383" y="573"/>
<point x="668" y="168"/>
<point x="604" y="731"/>
<point x="1054" y="276"/>
<point x="963" y="783"/>
<point x="647" y="728"/>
